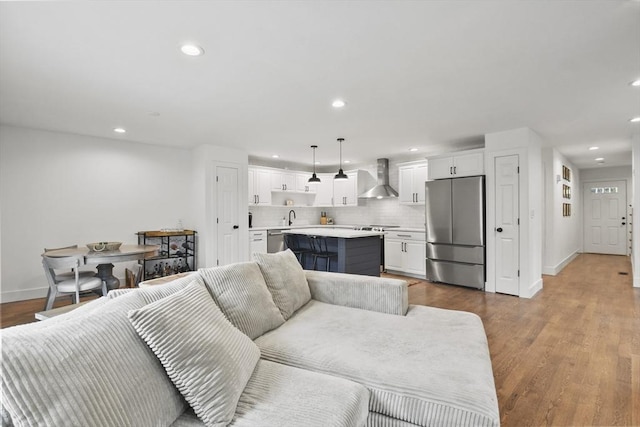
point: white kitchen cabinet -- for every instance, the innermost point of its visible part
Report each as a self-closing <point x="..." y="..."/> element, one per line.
<point x="324" y="190"/>
<point x="457" y="165"/>
<point x="411" y="183"/>
<point x="259" y="186"/>
<point x="405" y="253"/>
<point x="345" y="192"/>
<point x="257" y="242"/>
<point x="303" y="185"/>
<point x="282" y="180"/>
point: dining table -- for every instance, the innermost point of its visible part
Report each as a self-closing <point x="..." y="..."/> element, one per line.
<point x="105" y="259"/>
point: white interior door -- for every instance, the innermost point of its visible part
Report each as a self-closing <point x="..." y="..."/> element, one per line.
<point x="605" y="217"/>
<point x="227" y="215"/>
<point x="507" y="256"/>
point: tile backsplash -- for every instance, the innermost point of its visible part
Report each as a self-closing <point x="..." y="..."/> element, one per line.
<point x="369" y="211"/>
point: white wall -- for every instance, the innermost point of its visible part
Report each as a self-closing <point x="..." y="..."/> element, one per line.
<point x="58" y="189"/>
<point x="562" y="234"/>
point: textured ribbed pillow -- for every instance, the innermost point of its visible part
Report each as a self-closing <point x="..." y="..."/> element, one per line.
<point x="91" y="369"/>
<point x="208" y="359"/>
<point x="241" y="293"/>
<point x="285" y="279"/>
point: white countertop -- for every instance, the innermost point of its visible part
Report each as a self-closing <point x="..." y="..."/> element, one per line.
<point x="335" y="232"/>
<point x="296" y="227"/>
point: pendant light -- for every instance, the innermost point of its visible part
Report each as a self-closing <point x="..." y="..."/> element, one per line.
<point x="340" y="176"/>
<point x="314" y="179"/>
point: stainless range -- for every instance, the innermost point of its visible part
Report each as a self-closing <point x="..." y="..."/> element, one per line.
<point x="382" y="229"/>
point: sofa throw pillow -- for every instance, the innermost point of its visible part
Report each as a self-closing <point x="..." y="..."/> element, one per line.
<point x="241" y="293"/>
<point x="91" y="369"/>
<point x="208" y="359"/>
<point x="285" y="279"/>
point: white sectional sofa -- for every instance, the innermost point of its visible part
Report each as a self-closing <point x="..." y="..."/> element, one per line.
<point x="261" y="343"/>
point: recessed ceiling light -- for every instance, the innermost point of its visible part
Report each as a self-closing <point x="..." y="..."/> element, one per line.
<point x="275" y="156"/>
<point x="635" y="120"/>
<point x="119" y="130"/>
<point x="338" y="103"/>
<point x="599" y="159"/>
<point x="347" y="161"/>
<point x="635" y="83"/>
<point x="413" y="149"/>
<point x="593" y="148"/>
<point x="192" y="50"/>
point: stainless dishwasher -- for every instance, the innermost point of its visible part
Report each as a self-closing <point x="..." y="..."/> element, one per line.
<point x="275" y="240"/>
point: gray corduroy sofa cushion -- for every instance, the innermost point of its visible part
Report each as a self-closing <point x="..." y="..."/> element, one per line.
<point x="285" y="279"/>
<point x="282" y="396"/>
<point x="430" y="367"/>
<point x="206" y="357"/>
<point x="241" y="293"/>
<point x="90" y="369"/>
<point x="351" y="290"/>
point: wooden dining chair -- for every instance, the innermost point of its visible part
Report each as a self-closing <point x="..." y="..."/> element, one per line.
<point x="58" y="285"/>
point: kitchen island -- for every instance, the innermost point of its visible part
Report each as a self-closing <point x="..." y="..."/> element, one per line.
<point x="358" y="251"/>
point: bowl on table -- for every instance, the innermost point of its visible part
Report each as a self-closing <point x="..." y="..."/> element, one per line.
<point x="104" y="246"/>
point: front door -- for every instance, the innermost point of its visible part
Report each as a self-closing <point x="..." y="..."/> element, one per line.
<point x="507" y="257"/>
<point x="605" y="217"/>
<point x="227" y="215"/>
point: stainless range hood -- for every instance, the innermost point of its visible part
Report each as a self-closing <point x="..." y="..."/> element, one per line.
<point x="383" y="190"/>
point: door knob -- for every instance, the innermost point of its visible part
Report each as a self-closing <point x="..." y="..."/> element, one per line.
<point x="624" y="223"/>
<point x="235" y="227"/>
<point x="499" y="229"/>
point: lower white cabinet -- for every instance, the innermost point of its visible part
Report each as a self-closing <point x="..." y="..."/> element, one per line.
<point x="405" y="252"/>
<point x="257" y="242"/>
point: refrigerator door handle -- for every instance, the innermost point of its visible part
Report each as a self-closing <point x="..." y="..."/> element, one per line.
<point x="499" y="229"/>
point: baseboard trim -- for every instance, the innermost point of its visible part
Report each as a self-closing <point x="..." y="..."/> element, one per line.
<point x="23" y="294"/>
<point x="533" y="289"/>
<point x="554" y="270"/>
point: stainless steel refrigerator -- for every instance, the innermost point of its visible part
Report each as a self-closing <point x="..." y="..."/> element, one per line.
<point x="455" y="227"/>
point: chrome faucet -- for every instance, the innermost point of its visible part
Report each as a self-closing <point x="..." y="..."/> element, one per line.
<point x="294" y="216"/>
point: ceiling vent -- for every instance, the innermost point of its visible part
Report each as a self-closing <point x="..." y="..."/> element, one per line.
<point x="383" y="190"/>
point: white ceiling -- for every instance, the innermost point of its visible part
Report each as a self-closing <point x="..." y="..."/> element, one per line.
<point x="435" y="75"/>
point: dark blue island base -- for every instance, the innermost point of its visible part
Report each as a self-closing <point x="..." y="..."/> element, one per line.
<point x="359" y="255"/>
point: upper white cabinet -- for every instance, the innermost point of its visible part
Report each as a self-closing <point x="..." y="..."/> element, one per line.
<point x="345" y="193"/>
<point x="457" y="165"/>
<point x="259" y="186"/>
<point x="303" y="185"/>
<point x="277" y="187"/>
<point x="283" y="180"/>
<point x="324" y="190"/>
<point x="411" y="182"/>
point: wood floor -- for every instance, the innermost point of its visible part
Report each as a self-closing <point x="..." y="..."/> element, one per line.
<point x="570" y="356"/>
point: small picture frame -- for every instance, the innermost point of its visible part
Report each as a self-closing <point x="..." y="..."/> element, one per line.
<point x="566" y="209"/>
<point x="566" y="173"/>
<point x="566" y="191"/>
